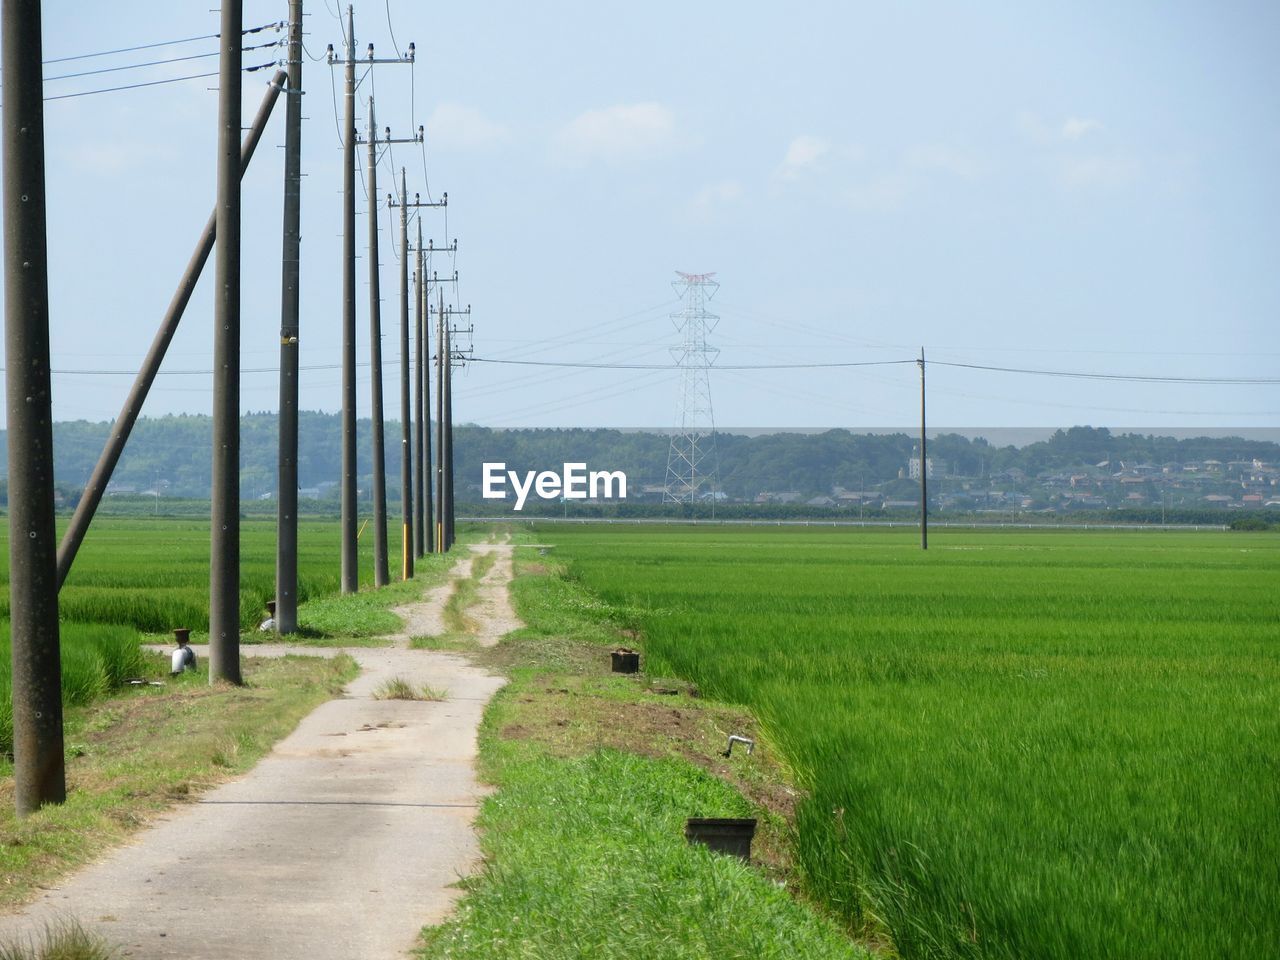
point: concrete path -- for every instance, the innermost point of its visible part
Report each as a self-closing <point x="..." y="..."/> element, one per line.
<point x="339" y="845"/>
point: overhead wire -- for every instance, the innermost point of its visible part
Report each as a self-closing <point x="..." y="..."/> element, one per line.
<point x="1124" y="377"/>
<point x="670" y="366"/>
<point x="593" y="395"/>
<point x="155" y="63"/>
<point x="309" y="56"/>
<point x="391" y="30"/>
<point x="154" y="83"/>
<point x="276" y="24"/>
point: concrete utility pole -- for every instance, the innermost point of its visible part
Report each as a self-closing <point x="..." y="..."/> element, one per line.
<point x="381" y="575"/>
<point x="447" y="417"/>
<point x="381" y="572"/>
<point x="442" y="456"/>
<point x="408" y="474"/>
<point x="38" y="766"/>
<point x="423" y="524"/>
<point x="287" y="483"/>
<point x="224" y="553"/>
<point x="350" y="559"/>
<point x="447" y="503"/>
<point x="128" y="416"/>
<point x="924" y="467"/>
<point x="406" y="416"/>
<point x="434" y="542"/>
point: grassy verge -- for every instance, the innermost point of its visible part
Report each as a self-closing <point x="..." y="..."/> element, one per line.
<point x="133" y="755"/>
<point x="464" y="594"/>
<point x="596" y="773"/>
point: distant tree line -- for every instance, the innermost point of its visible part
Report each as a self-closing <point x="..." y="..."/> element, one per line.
<point x="171" y="455"/>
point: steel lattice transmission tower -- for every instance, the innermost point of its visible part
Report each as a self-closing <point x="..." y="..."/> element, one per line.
<point x="691" y="462"/>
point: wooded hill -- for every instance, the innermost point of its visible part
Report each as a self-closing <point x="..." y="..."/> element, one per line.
<point x="173" y="454"/>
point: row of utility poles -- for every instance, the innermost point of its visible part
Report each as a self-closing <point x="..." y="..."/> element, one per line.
<point x="417" y="507"/>
<point x="38" y="563"/>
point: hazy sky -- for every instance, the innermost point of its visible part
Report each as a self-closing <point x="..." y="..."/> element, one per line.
<point x="1092" y="188"/>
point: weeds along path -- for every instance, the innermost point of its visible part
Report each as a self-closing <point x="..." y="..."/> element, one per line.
<point x="342" y="843"/>
<point x="492" y="612"/>
<point x="426" y="618"/>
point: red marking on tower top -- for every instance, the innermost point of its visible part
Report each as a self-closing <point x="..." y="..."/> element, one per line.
<point x="695" y="277"/>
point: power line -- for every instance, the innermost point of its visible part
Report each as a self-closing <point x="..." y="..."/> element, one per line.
<point x="163" y="43"/>
<point x="1220" y="381"/>
<point x="392" y="30"/>
<point x="154" y="63"/>
<point x="1080" y="375"/>
<point x="669" y="366"/>
<point x="1126" y="377"/>
<point x="154" y="83"/>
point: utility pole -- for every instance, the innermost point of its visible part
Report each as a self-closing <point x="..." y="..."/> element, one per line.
<point x="350" y="559"/>
<point x="224" y="558"/>
<point x="381" y="575"/>
<point x="423" y="523"/>
<point x="287" y="482"/>
<point x="427" y="477"/>
<point x="442" y="456"/>
<point x="406" y="418"/>
<point x="448" y="508"/>
<point x="39" y="773"/>
<point x="924" y="466"/>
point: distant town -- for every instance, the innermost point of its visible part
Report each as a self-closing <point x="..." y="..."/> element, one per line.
<point x="1081" y="470"/>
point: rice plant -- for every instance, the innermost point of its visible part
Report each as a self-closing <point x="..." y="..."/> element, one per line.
<point x="95" y="659"/>
<point x="1014" y="745"/>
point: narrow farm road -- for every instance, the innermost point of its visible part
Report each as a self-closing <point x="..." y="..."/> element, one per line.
<point x="340" y="844"/>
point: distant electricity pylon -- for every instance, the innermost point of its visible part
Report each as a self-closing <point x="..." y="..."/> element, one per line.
<point x="691" y="462"/>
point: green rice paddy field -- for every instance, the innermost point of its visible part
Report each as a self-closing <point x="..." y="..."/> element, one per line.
<point x="1031" y="744"/>
<point x="153" y="574"/>
<point x="150" y="575"/>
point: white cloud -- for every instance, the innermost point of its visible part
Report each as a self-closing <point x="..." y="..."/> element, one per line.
<point x="1073" y="128"/>
<point x="885" y="193"/>
<point x="1068" y="131"/>
<point x="454" y="126"/>
<point x="804" y="153"/>
<point x="1099" y="171"/>
<point x="714" y="196"/>
<point x="618" y="132"/>
<point x="939" y="158"/>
